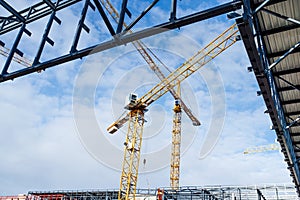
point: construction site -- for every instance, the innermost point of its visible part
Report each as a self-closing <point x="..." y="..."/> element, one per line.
<point x="143" y="51"/>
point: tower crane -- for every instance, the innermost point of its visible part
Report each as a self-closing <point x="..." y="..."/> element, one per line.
<point x="137" y="108"/>
<point x="263" y="148"/>
<point x="179" y="104"/>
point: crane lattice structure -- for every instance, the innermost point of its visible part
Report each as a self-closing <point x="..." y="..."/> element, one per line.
<point x="135" y="116"/>
<point x="263" y="148"/>
<point x="176" y="143"/>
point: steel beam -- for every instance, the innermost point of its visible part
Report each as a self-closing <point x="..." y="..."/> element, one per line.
<point x="287" y="88"/>
<point x="289" y="83"/>
<point x="45" y="37"/>
<point x="269" y="3"/>
<point x="288" y="71"/>
<point x="12" y="11"/>
<point x="293" y="101"/>
<point x="173" y="10"/>
<point x="280" y="29"/>
<point x="13" y="50"/>
<point x="293" y="113"/>
<point x="263" y="4"/>
<point x="124" y="39"/>
<point x="80" y="26"/>
<point x="280" y="53"/>
<point x="140" y="16"/>
<point x="40" y="9"/>
<point x="288" y="52"/>
<point x="50" y="4"/>
<point x="289" y="19"/>
<point x="104" y="17"/>
<point x="122" y="16"/>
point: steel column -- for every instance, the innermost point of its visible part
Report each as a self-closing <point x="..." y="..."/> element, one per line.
<point x="104" y="17"/>
<point x="173" y="10"/>
<point x="13" y="50"/>
<point x="45" y="37"/>
<point x="12" y="11"/>
<point x="122" y="16"/>
<point x="80" y="26"/>
<point x="140" y="16"/>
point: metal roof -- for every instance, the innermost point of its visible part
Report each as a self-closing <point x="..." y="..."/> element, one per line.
<point x="271" y="36"/>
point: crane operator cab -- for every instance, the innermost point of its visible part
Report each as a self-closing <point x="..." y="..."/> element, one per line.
<point x="177" y="107"/>
<point x="130" y="101"/>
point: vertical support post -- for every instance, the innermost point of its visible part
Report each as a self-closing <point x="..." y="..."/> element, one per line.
<point x="44" y="38"/>
<point x="104" y="17"/>
<point x="79" y="27"/>
<point x="13" y="49"/>
<point x="173" y="10"/>
<point x="122" y="16"/>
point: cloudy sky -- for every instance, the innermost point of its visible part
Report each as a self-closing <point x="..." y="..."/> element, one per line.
<point x="53" y="124"/>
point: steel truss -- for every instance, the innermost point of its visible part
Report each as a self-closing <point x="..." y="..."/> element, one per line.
<point x="119" y="36"/>
<point x="253" y="40"/>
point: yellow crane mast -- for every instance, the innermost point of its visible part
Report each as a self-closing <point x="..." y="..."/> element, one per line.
<point x="176" y="142"/>
<point x="137" y="108"/>
<point x="145" y="53"/>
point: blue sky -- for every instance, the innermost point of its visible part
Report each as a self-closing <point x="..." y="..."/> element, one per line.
<point x="53" y="123"/>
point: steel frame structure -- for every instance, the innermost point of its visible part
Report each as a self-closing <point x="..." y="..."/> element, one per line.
<point x="266" y="192"/>
<point x="255" y="46"/>
<point x="248" y="26"/>
<point x="118" y="36"/>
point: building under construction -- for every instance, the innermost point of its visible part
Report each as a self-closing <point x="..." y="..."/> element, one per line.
<point x="270" y="192"/>
<point x="270" y="32"/>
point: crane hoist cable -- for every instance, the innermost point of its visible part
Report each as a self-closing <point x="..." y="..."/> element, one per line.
<point x="137" y="108"/>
